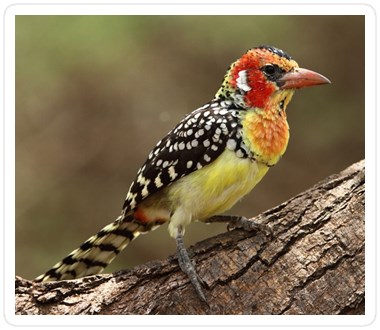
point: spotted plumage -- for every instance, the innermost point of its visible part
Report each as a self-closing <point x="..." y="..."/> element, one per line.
<point x="205" y="164"/>
<point x="195" y="142"/>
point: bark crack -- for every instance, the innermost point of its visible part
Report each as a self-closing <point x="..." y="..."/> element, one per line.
<point x="319" y="273"/>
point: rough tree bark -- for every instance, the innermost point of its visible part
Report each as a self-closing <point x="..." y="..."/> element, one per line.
<point x="312" y="264"/>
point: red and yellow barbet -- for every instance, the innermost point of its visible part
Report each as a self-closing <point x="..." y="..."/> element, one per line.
<point x="209" y="161"/>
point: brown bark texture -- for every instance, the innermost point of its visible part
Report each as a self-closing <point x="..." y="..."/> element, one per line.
<point x="313" y="263"/>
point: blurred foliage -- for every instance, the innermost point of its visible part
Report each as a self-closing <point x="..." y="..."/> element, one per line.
<point x="95" y="93"/>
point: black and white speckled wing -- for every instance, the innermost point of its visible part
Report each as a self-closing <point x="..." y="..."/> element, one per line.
<point x="195" y="142"/>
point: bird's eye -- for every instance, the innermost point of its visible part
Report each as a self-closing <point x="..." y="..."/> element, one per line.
<point x="269" y="69"/>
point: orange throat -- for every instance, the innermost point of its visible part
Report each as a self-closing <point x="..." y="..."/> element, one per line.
<point x="267" y="134"/>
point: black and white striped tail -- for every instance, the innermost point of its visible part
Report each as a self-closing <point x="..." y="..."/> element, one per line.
<point x="97" y="252"/>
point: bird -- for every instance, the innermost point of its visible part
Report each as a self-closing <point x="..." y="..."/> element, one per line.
<point x="208" y="162"/>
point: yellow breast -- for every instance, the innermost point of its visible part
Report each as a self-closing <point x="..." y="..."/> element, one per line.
<point x="216" y="187"/>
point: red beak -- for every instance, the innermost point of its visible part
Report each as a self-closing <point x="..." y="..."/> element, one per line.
<point x="302" y="78"/>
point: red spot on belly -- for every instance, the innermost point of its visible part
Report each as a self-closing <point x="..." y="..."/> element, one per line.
<point x="146" y="216"/>
<point x="140" y="216"/>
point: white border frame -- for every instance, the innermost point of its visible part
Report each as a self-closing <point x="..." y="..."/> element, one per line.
<point x="171" y="8"/>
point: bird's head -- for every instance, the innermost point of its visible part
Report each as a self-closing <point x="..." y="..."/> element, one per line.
<point x="263" y="76"/>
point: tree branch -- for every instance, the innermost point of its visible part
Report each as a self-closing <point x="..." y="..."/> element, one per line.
<point x="313" y="264"/>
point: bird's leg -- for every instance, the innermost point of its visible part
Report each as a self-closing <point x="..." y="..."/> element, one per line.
<point x="187" y="266"/>
<point x="234" y="221"/>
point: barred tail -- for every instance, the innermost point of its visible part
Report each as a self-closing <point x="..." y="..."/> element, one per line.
<point x="97" y="252"/>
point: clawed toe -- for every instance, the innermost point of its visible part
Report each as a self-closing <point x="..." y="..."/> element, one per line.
<point x="250" y="225"/>
<point x="241" y="222"/>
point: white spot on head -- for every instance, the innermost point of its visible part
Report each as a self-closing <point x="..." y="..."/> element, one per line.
<point x="242" y="81"/>
<point x="223" y="112"/>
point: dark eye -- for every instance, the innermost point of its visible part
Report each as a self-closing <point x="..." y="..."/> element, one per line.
<point x="269" y="69"/>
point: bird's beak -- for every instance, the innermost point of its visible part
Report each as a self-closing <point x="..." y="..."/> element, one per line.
<point x="302" y="78"/>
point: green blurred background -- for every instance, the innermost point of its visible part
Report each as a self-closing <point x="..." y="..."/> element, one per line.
<point x="95" y="93"/>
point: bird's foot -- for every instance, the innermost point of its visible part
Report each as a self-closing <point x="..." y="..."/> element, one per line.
<point x="241" y="222"/>
<point x="187" y="267"/>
